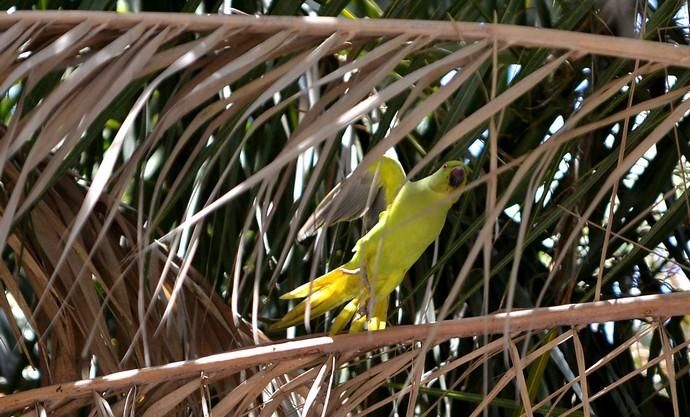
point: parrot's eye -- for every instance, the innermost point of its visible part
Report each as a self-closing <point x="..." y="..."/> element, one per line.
<point x="457" y="175"/>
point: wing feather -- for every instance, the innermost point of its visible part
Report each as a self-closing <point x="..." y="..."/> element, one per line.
<point x="348" y="200"/>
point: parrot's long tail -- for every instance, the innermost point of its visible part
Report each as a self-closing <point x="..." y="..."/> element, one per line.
<point x="323" y="294"/>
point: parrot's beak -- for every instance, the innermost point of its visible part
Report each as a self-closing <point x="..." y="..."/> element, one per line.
<point x="457" y="176"/>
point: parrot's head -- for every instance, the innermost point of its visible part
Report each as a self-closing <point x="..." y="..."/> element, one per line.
<point x="451" y="176"/>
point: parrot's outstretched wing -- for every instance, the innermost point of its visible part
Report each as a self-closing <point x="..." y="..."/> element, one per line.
<point x="350" y="199"/>
<point x="357" y="196"/>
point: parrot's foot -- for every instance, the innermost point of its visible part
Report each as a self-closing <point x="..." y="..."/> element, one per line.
<point x="376" y="321"/>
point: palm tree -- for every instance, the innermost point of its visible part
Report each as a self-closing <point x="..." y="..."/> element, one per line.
<point x="157" y="167"/>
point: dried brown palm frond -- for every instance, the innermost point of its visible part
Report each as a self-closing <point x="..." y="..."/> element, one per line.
<point x="155" y="169"/>
<point x="88" y="310"/>
<point x="327" y="356"/>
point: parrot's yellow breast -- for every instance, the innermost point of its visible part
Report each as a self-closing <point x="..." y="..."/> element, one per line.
<point x="395" y="243"/>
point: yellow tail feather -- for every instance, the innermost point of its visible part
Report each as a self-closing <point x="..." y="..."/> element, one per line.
<point x="330" y="278"/>
<point x="344" y="316"/>
<point x="324" y="293"/>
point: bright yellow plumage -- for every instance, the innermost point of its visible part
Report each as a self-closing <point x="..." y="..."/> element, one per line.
<point x="382" y="257"/>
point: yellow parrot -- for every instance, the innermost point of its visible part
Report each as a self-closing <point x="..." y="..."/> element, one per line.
<point x="381" y="257"/>
<point x="367" y="195"/>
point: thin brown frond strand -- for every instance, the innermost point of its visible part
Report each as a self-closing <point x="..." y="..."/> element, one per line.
<point x="677" y="55"/>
